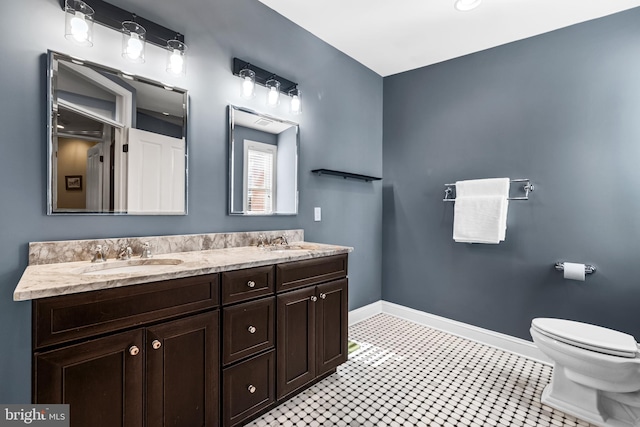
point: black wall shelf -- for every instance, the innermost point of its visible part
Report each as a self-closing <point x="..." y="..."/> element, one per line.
<point x="346" y="175"/>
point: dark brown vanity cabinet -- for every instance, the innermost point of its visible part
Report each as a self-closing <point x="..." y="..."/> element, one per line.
<point x="312" y="323"/>
<point x="144" y="355"/>
<point x="202" y="351"/>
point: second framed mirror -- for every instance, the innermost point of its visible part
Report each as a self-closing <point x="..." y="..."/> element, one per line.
<point x="263" y="164"/>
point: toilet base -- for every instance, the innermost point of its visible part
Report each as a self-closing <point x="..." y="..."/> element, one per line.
<point x="598" y="408"/>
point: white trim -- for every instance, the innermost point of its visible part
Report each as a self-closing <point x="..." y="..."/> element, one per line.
<point x="494" y="339"/>
<point x="363" y="313"/>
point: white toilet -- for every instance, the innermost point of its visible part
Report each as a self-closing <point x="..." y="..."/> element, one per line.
<point x="596" y="372"/>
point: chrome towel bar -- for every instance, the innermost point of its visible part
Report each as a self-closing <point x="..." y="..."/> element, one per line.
<point x="527" y="187"/>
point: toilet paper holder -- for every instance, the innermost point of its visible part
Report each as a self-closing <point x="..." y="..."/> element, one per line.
<point x="588" y="268"/>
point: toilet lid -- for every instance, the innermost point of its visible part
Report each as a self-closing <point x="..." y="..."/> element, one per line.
<point x="587" y="336"/>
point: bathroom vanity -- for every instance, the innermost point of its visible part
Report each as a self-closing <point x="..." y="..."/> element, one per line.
<point x="252" y="328"/>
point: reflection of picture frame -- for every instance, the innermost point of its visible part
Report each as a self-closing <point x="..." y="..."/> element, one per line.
<point x="73" y="182"/>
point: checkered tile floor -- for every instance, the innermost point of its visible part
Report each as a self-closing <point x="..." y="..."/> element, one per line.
<point x="405" y="374"/>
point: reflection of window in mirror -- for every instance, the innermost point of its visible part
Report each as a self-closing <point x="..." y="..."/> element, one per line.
<point x="259" y="180"/>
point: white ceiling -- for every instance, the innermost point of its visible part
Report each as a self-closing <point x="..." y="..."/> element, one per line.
<point x="392" y="36"/>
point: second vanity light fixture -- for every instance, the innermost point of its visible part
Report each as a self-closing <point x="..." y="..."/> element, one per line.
<point x="136" y="31"/>
<point x="276" y="85"/>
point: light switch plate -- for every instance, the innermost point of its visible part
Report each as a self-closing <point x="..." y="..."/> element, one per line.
<point x="317" y="214"/>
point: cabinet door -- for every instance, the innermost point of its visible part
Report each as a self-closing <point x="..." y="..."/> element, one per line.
<point x="296" y="339"/>
<point x="182" y="372"/>
<point x="101" y="380"/>
<point x="331" y="325"/>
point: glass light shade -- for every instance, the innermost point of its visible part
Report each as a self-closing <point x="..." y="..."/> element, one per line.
<point x="273" y="94"/>
<point x="248" y="83"/>
<point x="296" y="101"/>
<point x="465" y="5"/>
<point x="78" y="22"/>
<point x="133" y="41"/>
<point x="176" y="57"/>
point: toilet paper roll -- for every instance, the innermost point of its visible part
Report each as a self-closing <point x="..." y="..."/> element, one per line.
<point x="574" y="271"/>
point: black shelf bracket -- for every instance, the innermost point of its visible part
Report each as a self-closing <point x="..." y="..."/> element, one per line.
<point x="346" y="175"/>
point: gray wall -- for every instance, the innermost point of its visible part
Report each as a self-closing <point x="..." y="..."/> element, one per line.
<point x="562" y="109"/>
<point x="341" y="128"/>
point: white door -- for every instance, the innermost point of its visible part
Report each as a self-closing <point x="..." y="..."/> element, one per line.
<point x="95" y="172"/>
<point x="156" y="179"/>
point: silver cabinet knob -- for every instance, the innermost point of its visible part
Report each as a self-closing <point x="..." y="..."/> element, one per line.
<point x="252" y="329"/>
<point x="251" y="283"/>
<point x="251" y="389"/>
<point x="314" y="298"/>
<point x="323" y="296"/>
<point x="156" y="344"/>
<point x="134" y="350"/>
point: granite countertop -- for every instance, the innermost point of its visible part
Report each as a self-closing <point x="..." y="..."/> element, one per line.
<point x="64" y="278"/>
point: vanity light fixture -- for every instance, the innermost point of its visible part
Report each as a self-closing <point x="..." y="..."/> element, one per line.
<point x="176" y="57"/>
<point x="78" y="22"/>
<point x="273" y="95"/>
<point x="248" y="77"/>
<point x="465" y="5"/>
<point x="276" y="85"/>
<point x="296" y="100"/>
<point x="136" y="32"/>
<point x="133" y="41"/>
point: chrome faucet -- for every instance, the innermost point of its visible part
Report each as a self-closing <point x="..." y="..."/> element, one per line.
<point x="146" y="250"/>
<point x="100" y="254"/>
<point x="125" y="253"/>
<point x="284" y="240"/>
<point x="262" y="240"/>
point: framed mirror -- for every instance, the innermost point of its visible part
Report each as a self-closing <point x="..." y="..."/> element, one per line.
<point x="263" y="164"/>
<point x="117" y="143"/>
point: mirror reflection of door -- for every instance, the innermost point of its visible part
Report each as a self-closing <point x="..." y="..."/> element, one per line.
<point x="95" y="171"/>
<point x="150" y="187"/>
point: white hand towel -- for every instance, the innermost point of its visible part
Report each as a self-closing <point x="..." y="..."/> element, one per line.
<point x="480" y="213"/>
<point x="483" y="187"/>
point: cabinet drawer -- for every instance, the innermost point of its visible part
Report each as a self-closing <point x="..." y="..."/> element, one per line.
<point x="247" y="388"/>
<point x="70" y="317"/>
<point x="243" y="285"/>
<point x="248" y="328"/>
<point x="292" y="275"/>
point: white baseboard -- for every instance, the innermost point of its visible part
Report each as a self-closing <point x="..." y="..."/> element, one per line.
<point x="498" y="340"/>
<point x="363" y="313"/>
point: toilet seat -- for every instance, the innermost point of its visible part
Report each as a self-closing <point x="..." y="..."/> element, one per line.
<point x="586" y="336"/>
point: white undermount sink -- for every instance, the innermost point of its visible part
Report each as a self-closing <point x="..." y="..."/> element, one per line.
<point x="132" y="266"/>
<point x="291" y="247"/>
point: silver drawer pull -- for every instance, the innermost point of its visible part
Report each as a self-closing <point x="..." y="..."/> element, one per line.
<point x="156" y="344"/>
<point x="251" y="389"/>
<point x="252" y="329"/>
<point x="323" y="296"/>
<point x="314" y="298"/>
<point x="251" y="283"/>
<point x="134" y="350"/>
